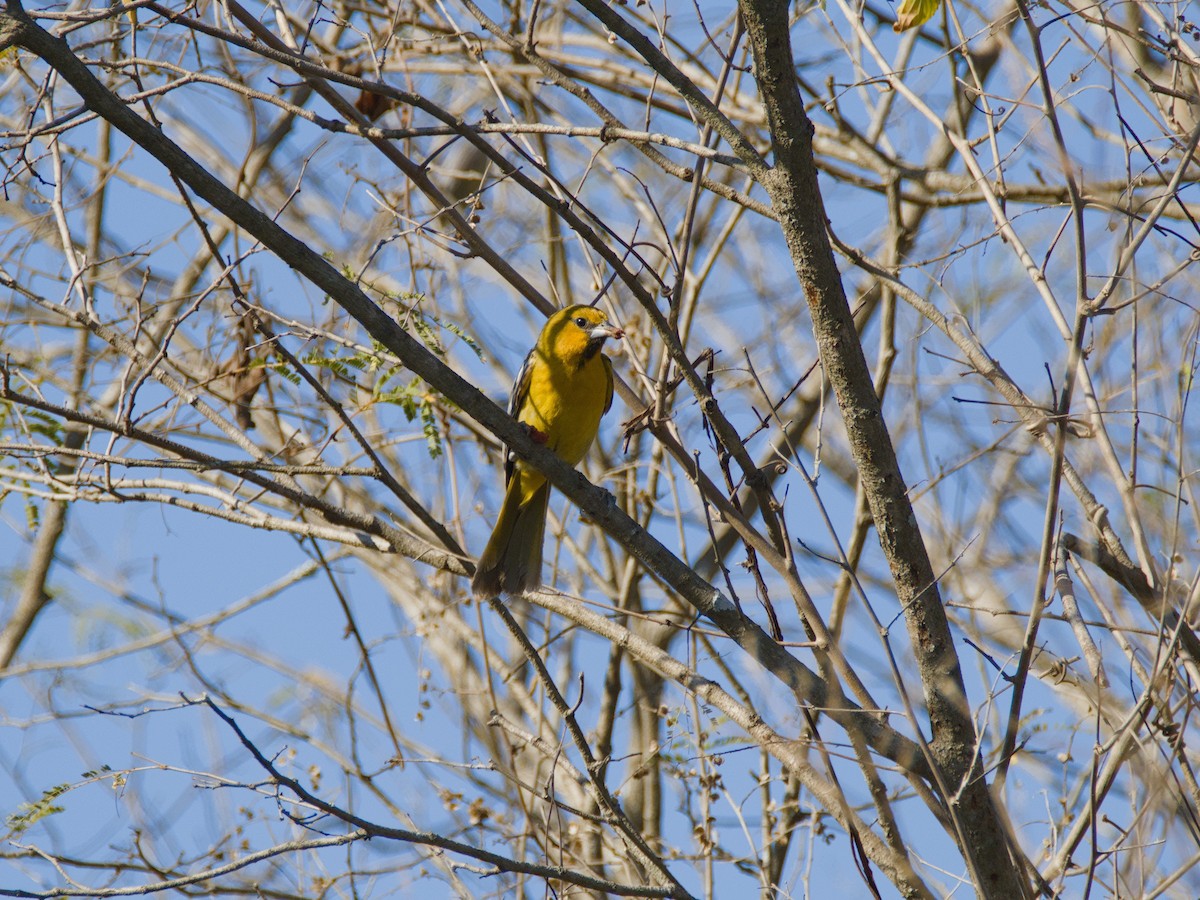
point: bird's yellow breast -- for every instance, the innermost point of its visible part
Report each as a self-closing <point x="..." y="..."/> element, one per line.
<point x="565" y="402"/>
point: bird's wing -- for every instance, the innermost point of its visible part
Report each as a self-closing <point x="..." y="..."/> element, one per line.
<point x="608" y="370"/>
<point x="516" y="399"/>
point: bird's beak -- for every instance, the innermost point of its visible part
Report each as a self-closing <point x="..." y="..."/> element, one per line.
<point x="602" y="332"/>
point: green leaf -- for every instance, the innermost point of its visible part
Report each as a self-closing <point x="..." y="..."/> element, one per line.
<point x="28" y="814"/>
<point x="433" y="437"/>
<point x="45" y="425"/>
<point x="282" y="370"/>
<point x="415" y="400"/>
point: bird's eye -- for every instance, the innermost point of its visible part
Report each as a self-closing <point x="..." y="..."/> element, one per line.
<point x="581" y="322"/>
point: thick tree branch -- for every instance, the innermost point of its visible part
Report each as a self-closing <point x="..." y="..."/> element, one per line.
<point x="795" y="194"/>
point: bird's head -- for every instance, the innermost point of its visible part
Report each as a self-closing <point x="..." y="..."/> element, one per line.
<point x="577" y="333"/>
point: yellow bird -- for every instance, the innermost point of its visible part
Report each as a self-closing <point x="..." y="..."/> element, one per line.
<point x="913" y="13"/>
<point x="563" y="389"/>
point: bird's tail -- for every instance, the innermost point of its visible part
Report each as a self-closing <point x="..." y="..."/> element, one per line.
<point x="512" y="560"/>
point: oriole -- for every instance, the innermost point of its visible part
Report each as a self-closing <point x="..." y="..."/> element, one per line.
<point x="562" y="390"/>
<point x="912" y="13"/>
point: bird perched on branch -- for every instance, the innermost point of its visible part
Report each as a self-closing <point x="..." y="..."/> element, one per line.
<point x="563" y="389"/>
